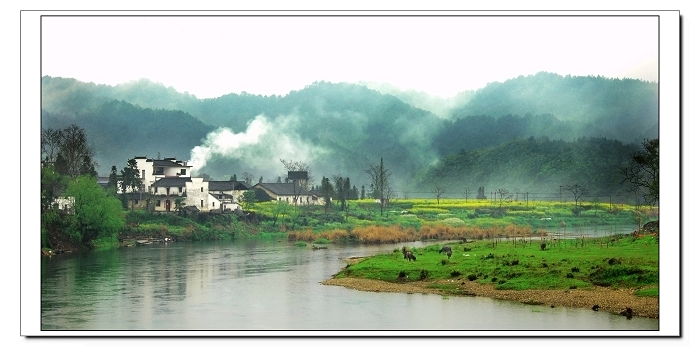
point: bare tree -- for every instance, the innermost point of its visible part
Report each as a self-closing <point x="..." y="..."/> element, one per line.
<point x="300" y="166"/>
<point x="466" y="194"/>
<point x="438" y="190"/>
<point x="50" y="144"/>
<point x="379" y="176"/>
<point x="68" y="151"/>
<point x="503" y="195"/>
<point x="578" y="192"/>
<point x="643" y="172"/>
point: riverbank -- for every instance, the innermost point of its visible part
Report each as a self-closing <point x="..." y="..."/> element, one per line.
<point x="611" y="300"/>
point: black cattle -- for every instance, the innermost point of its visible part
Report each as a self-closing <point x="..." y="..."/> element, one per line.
<point x="446" y="249"/>
<point x="407" y="254"/>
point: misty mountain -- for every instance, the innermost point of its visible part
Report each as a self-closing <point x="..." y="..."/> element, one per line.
<point x="118" y="131"/>
<point x="621" y="109"/>
<point x="341" y="128"/>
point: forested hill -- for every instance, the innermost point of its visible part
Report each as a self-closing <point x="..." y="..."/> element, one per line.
<point x="622" y="109"/>
<point x="535" y="165"/>
<point x="341" y="128"/>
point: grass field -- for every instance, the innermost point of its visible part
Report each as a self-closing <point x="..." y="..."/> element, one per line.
<point x="520" y="264"/>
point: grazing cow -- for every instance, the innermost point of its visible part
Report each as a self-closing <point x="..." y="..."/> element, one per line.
<point x="446" y="249"/>
<point x="408" y="254"/>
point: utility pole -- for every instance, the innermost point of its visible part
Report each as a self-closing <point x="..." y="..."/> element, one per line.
<point x="560" y="186"/>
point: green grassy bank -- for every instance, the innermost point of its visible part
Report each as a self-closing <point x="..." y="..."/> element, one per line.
<point x="621" y="261"/>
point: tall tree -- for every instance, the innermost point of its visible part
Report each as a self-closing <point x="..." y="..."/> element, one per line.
<point x="113" y="183"/>
<point x="327" y="192"/>
<point x="340" y="192"/>
<point x="75" y="157"/>
<point x="379" y="177"/>
<point x="130" y="179"/>
<point x="643" y="171"/>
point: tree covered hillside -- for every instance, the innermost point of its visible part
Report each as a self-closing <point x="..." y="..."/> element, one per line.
<point x="535" y="165"/>
<point x="625" y="110"/>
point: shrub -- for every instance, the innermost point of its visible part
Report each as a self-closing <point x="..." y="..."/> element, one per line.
<point x="455" y="274"/>
<point x="423" y="274"/>
<point x="443" y="262"/>
<point x="402" y="275"/>
<point x="471" y="277"/>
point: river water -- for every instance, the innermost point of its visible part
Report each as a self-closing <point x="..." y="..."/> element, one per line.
<point x="268" y="285"/>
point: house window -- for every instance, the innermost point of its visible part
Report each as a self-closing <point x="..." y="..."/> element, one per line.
<point x="201" y="203"/>
<point x="136" y="202"/>
<point x="213" y="204"/>
<point x="179" y="189"/>
<point x="157" y="203"/>
<point x="201" y="189"/>
<point x="143" y="173"/>
<point x="183" y="171"/>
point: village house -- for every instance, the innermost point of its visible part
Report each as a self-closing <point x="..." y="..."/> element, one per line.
<point x="291" y="193"/>
<point x="168" y="181"/>
<point x="167" y="185"/>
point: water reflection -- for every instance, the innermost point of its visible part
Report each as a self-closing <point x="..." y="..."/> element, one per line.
<point x="267" y="285"/>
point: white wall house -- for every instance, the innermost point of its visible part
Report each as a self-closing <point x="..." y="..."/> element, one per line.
<point x="168" y="179"/>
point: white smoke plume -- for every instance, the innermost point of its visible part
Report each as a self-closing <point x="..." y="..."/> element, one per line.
<point x="260" y="147"/>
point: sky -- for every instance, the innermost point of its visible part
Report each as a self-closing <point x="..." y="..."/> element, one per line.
<point x="209" y="56"/>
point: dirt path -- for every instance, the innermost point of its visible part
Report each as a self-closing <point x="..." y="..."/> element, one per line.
<point x="615" y="301"/>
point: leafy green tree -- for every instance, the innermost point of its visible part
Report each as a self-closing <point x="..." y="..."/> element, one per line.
<point x="643" y="171"/>
<point x="248" y="199"/>
<point x="96" y="214"/>
<point x="51" y="184"/>
<point x="179" y="205"/>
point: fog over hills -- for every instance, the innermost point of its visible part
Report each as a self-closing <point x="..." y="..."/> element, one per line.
<point x="342" y="128"/>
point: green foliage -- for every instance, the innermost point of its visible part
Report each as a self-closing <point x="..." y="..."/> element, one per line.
<point x="97" y="215"/>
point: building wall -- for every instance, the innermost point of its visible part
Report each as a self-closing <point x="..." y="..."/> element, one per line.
<point x="198" y="194"/>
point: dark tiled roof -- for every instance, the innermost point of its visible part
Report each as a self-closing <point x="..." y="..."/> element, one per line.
<point x="172" y="182"/>
<point x="221" y="185"/>
<point x="228" y="186"/>
<point x="287" y="189"/>
<point x="166" y="163"/>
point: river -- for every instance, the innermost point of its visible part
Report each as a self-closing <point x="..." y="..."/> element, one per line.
<point x="268" y="285"/>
